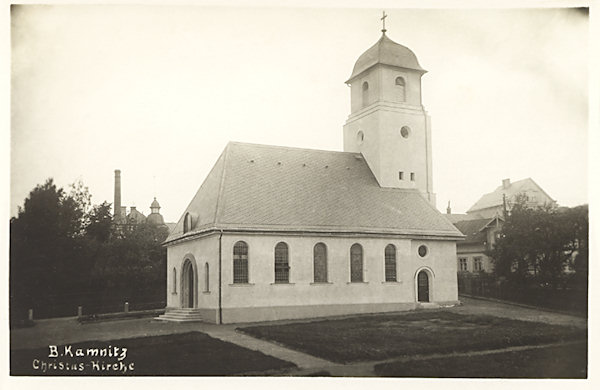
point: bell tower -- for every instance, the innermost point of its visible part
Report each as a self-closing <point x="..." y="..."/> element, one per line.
<point x="388" y="124"/>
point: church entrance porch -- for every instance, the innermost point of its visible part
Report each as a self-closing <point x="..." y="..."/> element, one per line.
<point x="188" y="285"/>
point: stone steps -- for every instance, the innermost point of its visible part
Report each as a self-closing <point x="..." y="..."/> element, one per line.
<point x="181" y="315"/>
<point x="428" y="305"/>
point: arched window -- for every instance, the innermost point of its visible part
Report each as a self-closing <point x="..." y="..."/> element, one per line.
<point x="206" y="280"/>
<point x="187" y="222"/>
<point x="174" y="289"/>
<point x="320" y="263"/>
<point x="401" y="89"/>
<point x="356" y="263"/>
<point x="282" y="265"/>
<point x="390" y="263"/>
<point x="365" y="94"/>
<point x="240" y="262"/>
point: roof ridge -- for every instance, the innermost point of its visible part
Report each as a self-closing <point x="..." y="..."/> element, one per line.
<point x="289" y="147"/>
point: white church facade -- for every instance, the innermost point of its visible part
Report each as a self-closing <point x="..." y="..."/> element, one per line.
<point x="280" y="233"/>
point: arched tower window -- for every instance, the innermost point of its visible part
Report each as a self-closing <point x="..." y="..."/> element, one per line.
<point x="206" y="278"/>
<point x="401" y="89"/>
<point x="365" y="94"/>
<point x="174" y="273"/>
<point x="320" y="263"/>
<point x="390" y="263"/>
<point x="240" y="262"/>
<point x="282" y="265"/>
<point x="356" y="263"/>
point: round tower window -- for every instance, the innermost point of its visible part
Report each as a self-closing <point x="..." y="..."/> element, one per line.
<point x="360" y="137"/>
<point x="405" y="131"/>
<point x="423" y="251"/>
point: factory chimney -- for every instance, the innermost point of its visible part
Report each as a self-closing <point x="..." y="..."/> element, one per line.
<point x="117" y="205"/>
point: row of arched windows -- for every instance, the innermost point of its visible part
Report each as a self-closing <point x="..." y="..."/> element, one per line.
<point x="400" y="92"/>
<point x="282" y="264"/>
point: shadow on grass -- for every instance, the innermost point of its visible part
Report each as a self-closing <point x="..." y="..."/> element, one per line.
<point x="385" y="336"/>
<point x="191" y="353"/>
<point x="569" y="361"/>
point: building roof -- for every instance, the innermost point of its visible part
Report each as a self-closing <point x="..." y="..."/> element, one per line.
<point x="155" y="219"/>
<point x="461" y="217"/>
<point x="474" y="229"/>
<point x="495" y="198"/>
<point x="135" y="216"/>
<point x="272" y="188"/>
<point x="386" y="52"/>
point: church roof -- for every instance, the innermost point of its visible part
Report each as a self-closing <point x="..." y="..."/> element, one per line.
<point x="386" y="52"/>
<point x="270" y="188"/>
<point x="495" y="198"/>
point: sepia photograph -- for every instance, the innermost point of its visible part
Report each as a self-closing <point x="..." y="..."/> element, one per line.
<point x="290" y="191"/>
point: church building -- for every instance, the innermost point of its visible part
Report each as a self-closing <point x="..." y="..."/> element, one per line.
<point x="280" y="233"/>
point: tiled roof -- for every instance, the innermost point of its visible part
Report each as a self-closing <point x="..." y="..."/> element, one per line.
<point x="260" y="187"/>
<point x="473" y="230"/>
<point x="494" y="199"/>
<point x="461" y="217"/>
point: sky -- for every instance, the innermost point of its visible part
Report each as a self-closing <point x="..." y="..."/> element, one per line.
<point x="158" y="91"/>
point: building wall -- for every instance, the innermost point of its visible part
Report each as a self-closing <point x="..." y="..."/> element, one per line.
<point x="199" y="251"/>
<point x="262" y="299"/>
<point x="487" y="264"/>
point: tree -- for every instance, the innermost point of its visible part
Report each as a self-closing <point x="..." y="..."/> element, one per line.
<point x="64" y="252"/>
<point x="45" y="253"/>
<point x="538" y="244"/>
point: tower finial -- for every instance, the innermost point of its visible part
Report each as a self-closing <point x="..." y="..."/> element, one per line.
<point x="383" y="30"/>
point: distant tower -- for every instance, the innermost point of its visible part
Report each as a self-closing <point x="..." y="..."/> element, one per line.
<point x="155" y="218"/>
<point x="387" y="123"/>
<point x="117" y="205"/>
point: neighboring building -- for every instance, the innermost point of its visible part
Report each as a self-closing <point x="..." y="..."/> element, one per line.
<point x="484" y="220"/>
<point x="480" y="236"/>
<point x="122" y="219"/>
<point x="278" y="232"/>
<point x="494" y="203"/>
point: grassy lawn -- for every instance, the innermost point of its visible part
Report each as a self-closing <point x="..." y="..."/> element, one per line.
<point x="552" y="362"/>
<point x="191" y="353"/>
<point x="384" y="336"/>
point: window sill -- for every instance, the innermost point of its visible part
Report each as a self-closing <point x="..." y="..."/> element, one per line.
<point x="241" y="284"/>
<point x="173" y="292"/>
<point x="205" y="292"/>
<point x="357" y="282"/>
<point x="392" y="282"/>
<point x="282" y="284"/>
<point x="320" y="283"/>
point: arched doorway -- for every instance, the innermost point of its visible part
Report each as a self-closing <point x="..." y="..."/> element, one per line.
<point x="188" y="285"/>
<point x="423" y="287"/>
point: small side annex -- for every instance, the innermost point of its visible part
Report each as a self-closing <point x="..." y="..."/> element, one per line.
<point x="281" y="233"/>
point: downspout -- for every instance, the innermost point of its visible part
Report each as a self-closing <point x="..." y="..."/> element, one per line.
<point x="220" y="294"/>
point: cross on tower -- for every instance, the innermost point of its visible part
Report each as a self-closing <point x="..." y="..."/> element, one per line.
<point x="383" y="19"/>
